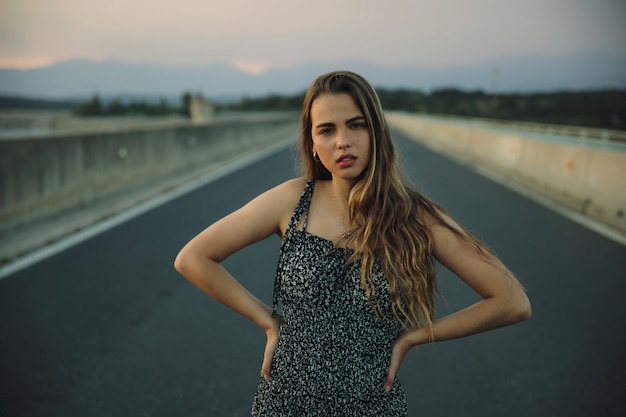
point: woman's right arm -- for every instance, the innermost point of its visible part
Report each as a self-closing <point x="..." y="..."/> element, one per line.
<point x="200" y="260"/>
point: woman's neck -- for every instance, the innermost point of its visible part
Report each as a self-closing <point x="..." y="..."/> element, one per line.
<point x="340" y="189"/>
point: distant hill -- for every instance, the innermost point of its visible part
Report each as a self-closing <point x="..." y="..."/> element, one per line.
<point x="79" y="79"/>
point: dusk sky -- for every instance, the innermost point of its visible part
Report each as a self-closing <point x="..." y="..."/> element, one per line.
<point x="256" y="35"/>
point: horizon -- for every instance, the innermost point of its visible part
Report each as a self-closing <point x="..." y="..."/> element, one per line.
<point x="259" y="69"/>
<point x="512" y="74"/>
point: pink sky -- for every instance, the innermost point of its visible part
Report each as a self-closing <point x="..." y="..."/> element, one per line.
<point x="255" y="35"/>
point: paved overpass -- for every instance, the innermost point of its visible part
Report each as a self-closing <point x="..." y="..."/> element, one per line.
<point x="106" y="327"/>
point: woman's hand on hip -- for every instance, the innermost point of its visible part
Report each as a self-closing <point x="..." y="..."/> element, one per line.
<point x="272" y="333"/>
<point x="400" y="348"/>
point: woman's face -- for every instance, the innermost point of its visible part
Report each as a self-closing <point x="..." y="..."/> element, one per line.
<point x="340" y="135"/>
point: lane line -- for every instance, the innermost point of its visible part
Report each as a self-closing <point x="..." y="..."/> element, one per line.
<point x="113" y="221"/>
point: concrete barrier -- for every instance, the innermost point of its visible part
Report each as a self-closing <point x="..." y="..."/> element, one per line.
<point x="41" y="177"/>
<point x="589" y="180"/>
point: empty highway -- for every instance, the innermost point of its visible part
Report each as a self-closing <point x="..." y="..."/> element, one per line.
<point x="108" y="328"/>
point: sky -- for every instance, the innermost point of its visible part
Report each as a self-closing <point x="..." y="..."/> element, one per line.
<point x="255" y="35"/>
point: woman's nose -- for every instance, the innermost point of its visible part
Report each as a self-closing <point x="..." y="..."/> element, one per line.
<point x="343" y="141"/>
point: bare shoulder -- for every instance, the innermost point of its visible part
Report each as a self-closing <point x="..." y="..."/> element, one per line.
<point x="279" y="199"/>
<point x="287" y="193"/>
<point x="442" y="227"/>
<point x="282" y="200"/>
<point x="292" y="186"/>
<point x="261" y="217"/>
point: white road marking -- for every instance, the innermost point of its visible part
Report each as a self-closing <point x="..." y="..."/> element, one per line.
<point x="88" y="232"/>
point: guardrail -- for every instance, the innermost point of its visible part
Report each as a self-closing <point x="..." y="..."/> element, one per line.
<point x="45" y="175"/>
<point x="588" y="179"/>
<point x="566" y="131"/>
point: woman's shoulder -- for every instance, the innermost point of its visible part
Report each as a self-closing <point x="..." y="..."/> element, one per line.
<point x="287" y="193"/>
<point x="282" y="200"/>
<point x="292" y="187"/>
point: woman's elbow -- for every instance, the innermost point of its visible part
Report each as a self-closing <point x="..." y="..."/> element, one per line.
<point x="190" y="263"/>
<point x="181" y="262"/>
<point x="520" y="310"/>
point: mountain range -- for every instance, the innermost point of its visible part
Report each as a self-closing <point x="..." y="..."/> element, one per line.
<point x="519" y="74"/>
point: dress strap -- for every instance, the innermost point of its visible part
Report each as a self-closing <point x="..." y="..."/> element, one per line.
<point x="301" y="209"/>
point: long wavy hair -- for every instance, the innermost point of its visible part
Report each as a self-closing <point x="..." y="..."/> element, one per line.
<point x="388" y="218"/>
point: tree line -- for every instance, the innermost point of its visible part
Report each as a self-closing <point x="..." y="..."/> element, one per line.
<point x="98" y="107"/>
<point x="600" y="109"/>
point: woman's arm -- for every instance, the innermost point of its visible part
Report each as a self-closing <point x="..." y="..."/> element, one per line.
<point x="200" y="260"/>
<point x="504" y="301"/>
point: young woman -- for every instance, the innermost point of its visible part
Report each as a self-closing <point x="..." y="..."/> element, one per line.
<point x="356" y="278"/>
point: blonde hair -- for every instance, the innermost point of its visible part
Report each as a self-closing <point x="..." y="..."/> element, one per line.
<point x="389" y="219"/>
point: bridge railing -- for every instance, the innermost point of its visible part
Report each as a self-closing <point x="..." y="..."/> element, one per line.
<point x="578" y="134"/>
<point x="583" y="174"/>
<point x="43" y="177"/>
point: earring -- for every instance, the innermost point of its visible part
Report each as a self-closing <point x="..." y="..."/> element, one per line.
<point x="316" y="157"/>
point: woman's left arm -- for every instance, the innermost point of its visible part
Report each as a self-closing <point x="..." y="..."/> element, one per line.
<point x="504" y="301"/>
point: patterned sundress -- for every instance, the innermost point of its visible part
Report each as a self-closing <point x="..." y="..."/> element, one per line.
<point x="333" y="350"/>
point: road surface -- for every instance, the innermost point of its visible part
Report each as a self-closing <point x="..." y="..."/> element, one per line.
<point x="108" y="328"/>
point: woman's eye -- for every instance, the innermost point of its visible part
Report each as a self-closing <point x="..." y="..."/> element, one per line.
<point x="358" y="125"/>
<point x="326" y="131"/>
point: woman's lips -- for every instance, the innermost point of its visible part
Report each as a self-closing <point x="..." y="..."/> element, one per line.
<point x="346" y="160"/>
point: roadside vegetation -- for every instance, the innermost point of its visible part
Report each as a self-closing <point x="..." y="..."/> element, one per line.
<point x="97" y="107"/>
<point x="604" y="109"/>
<point x="600" y="109"/>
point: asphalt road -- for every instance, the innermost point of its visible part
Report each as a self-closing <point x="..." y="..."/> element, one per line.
<point x="108" y="328"/>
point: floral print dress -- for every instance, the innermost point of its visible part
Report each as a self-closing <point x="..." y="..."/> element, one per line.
<point x="333" y="350"/>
